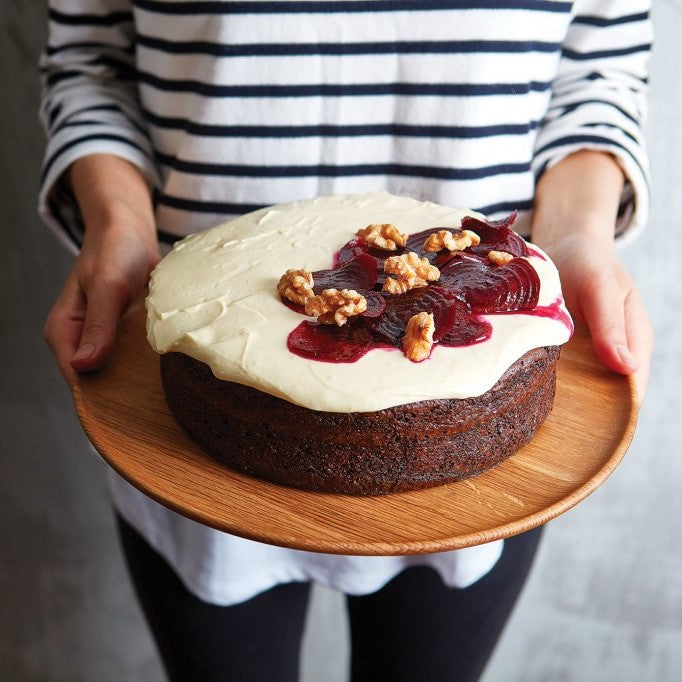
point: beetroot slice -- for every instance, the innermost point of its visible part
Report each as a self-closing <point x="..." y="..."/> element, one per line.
<point x="329" y="343"/>
<point x="496" y="235"/>
<point x="350" y="250"/>
<point x="358" y="273"/>
<point x="468" y="331"/>
<point x="445" y="257"/>
<point x="399" y="309"/>
<point x="376" y="303"/>
<point x="357" y="246"/>
<point x="491" y="288"/>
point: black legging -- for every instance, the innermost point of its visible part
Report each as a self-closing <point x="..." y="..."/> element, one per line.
<point x="413" y="629"/>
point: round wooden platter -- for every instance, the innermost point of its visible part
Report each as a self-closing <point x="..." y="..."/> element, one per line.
<point x="124" y="413"/>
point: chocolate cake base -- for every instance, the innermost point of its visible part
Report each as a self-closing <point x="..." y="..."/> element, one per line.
<point x="361" y="453"/>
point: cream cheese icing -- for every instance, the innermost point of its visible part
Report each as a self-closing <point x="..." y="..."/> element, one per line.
<point x="214" y="297"/>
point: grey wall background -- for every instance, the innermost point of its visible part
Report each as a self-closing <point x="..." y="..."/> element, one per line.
<point x="604" y="602"/>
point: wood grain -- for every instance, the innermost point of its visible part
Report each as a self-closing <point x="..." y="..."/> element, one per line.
<point x="124" y="413"/>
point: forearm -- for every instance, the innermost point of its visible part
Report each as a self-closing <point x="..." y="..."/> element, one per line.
<point x="577" y="201"/>
<point x="113" y="195"/>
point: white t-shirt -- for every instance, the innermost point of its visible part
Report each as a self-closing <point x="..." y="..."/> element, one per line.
<point x="224" y="569"/>
<point x="231" y="106"/>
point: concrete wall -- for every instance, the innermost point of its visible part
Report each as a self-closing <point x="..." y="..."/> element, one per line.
<point x="605" y="599"/>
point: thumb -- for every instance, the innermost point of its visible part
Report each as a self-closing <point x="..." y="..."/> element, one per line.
<point x="104" y="306"/>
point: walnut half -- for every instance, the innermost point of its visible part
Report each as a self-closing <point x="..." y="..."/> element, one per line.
<point x="418" y="338"/>
<point x="443" y="239"/>
<point x="334" y="306"/>
<point x="385" y="236"/>
<point x="410" y="272"/>
<point x="296" y="286"/>
<point x="500" y="257"/>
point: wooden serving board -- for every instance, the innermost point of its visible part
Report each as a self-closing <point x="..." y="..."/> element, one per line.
<point x="124" y="413"/>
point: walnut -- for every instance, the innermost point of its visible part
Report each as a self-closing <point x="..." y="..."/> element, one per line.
<point x="500" y="257"/>
<point x="452" y="242"/>
<point x="334" y="306"/>
<point x="386" y="236"/>
<point x="296" y="286"/>
<point x="411" y="272"/>
<point x="418" y="339"/>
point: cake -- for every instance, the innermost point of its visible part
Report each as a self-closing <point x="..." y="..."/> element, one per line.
<point x="355" y="396"/>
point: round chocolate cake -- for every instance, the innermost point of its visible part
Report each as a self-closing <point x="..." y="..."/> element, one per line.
<point x="360" y="344"/>
<point x="361" y="453"/>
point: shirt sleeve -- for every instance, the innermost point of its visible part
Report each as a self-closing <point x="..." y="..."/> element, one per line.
<point x="598" y="98"/>
<point x="89" y="102"/>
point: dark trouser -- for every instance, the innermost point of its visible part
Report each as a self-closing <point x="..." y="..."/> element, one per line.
<point x="414" y="628"/>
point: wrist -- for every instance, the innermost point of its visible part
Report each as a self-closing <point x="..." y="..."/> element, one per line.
<point x="577" y="201"/>
<point x="115" y="201"/>
<point x="586" y="233"/>
<point x="110" y="190"/>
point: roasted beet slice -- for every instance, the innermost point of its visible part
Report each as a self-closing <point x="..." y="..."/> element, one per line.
<point x="350" y="250"/>
<point x="399" y="309"/>
<point x="444" y="258"/>
<point x="496" y="235"/>
<point x="489" y="288"/>
<point x="329" y="343"/>
<point x="486" y="229"/>
<point x="358" y="246"/>
<point x="358" y="273"/>
<point x="468" y="330"/>
<point x="376" y="303"/>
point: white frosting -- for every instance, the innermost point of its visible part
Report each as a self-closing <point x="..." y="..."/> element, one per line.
<point x="214" y="297"/>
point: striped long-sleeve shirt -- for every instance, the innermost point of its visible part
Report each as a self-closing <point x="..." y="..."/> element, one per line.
<point x="228" y="106"/>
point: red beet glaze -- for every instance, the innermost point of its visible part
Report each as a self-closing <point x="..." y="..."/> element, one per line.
<point x="554" y="311"/>
<point x="470" y="285"/>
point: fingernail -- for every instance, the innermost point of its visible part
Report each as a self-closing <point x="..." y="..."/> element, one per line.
<point x="84" y="352"/>
<point x="626" y="357"/>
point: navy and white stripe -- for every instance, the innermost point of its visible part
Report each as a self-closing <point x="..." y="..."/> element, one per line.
<point x="228" y="106"/>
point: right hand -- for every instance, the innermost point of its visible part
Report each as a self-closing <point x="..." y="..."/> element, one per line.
<point x="112" y="269"/>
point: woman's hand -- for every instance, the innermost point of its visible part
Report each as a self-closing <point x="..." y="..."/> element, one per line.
<point x="601" y="295"/>
<point x="112" y="269"/>
<point x="574" y="221"/>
